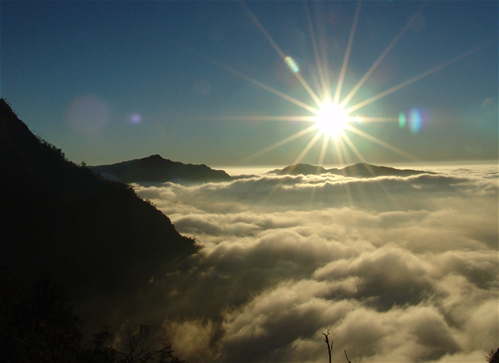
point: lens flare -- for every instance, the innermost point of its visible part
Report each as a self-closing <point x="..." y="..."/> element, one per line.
<point x="88" y="114"/>
<point x="402" y="120"/>
<point x="292" y="64"/>
<point x="415" y="121"/>
<point x="135" y="118"/>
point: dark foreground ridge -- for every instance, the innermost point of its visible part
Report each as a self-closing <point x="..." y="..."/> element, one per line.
<point x="156" y="169"/>
<point x="356" y="170"/>
<point x="64" y="222"/>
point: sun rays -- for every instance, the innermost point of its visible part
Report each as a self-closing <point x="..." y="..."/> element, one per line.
<point x="331" y="115"/>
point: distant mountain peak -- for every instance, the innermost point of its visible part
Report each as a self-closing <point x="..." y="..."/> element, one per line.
<point x="156" y="169"/>
<point x="153" y="157"/>
<point x="150" y="161"/>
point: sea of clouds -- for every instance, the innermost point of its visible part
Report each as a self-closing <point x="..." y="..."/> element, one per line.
<point x="396" y="269"/>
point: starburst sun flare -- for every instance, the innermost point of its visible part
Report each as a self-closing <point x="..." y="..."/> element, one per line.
<point x="332" y="105"/>
<point x="332" y="113"/>
<point x="329" y="114"/>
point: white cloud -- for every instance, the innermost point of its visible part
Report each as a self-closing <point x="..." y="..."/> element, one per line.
<point x="399" y="269"/>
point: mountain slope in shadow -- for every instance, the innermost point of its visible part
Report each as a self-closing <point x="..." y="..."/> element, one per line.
<point x="64" y="222"/>
<point x="357" y="170"/>
<point x="156" y="169"/>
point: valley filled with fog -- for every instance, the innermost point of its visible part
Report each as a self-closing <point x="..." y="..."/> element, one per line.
<point x="395" y="268"/>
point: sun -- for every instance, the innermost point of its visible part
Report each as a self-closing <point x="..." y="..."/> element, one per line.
<point x="331" y="119"/>
<point x="331" y="114"/>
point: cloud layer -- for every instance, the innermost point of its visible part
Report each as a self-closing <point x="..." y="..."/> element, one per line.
<point x="396" y="269"/>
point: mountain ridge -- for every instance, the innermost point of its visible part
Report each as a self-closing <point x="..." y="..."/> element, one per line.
<point x="154" y="168"/>
<point x="355" y="170"/>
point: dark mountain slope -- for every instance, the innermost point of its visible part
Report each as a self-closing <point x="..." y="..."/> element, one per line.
<point x="368" y="170"/>
<point x="356" y="170"/>
<point x="296" y="169"/>
<point x="62" y="221"/>
<point x="156" y="169"/>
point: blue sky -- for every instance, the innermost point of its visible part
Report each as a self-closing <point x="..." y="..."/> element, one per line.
<point x="109" y="81"/>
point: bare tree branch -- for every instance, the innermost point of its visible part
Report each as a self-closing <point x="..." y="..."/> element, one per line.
<point x="329" y="346"/>
<point x="134" y="338"/>
<point x="346" y="356"/>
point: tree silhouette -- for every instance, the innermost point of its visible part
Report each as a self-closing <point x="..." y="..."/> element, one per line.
<point x="165" y="355"/>
<point x="133" y="342"/>
<point x="39" y="326"/>
<point x="330" y="348"/>
<point x="329" y="345"/>
<point x="493" y="357"/>
<point x="97" y="349"/>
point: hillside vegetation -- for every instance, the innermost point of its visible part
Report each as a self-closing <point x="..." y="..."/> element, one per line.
<point x="64" y="222"/>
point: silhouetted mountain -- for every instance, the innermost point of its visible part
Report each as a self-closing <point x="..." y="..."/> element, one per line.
<point x="357" y="170"/>
<point x="64" y="222"/>
<point x="156" y="169"/>
<point x="296" y="169"/>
